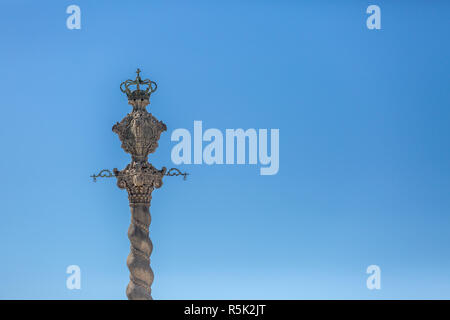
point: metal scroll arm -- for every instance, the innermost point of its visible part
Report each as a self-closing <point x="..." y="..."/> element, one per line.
<point x="176" y="172"/>
<point x="105" y="173"/>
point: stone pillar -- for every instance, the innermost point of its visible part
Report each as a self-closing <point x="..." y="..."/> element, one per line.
<point x="138" y="261"/>
<point x="139" y="132"/>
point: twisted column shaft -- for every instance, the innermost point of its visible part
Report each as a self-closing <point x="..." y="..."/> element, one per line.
<point x="138" y="261"/>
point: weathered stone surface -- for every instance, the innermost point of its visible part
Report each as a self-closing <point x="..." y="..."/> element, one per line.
<point x="139" y="132"/>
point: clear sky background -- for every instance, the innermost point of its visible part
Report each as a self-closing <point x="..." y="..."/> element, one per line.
<point x="364" y="148"/>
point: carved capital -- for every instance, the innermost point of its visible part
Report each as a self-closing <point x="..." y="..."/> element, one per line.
<point x="139" y="179"/>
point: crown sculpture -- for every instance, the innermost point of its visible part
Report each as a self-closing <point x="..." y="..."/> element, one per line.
<point x="139" y="133"/>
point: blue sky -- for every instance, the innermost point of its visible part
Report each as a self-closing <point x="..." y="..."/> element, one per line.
<point x="364" y="148"/>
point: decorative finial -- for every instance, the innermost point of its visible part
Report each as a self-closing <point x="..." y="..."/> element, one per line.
<point x="138" y="93"/>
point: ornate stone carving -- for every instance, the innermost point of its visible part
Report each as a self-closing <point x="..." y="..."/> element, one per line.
<point x="139" y="179"/>
<point x="139" y="132"/>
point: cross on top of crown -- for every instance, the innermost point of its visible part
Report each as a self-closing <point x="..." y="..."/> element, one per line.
<point x="145" y="92"/>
